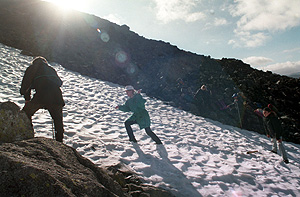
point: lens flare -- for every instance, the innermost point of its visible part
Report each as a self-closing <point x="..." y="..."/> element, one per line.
<point x="121" y="57"/>
<point x="104" y="37"/>
<point x="91" y="21"/>
<point x="67" y="5"/>
<point x="131" y="69"/>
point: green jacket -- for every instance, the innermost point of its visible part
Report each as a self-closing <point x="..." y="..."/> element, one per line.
<point x="136" y="104"/>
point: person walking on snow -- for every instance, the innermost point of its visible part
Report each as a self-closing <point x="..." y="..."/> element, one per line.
<point x="44" y="79"/>
<point x="274" y="130"/>
<point x="140" y="116"/>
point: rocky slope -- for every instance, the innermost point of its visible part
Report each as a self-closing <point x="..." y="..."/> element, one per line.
<point x="101" y="49"/>
<point x="45" y="167"/>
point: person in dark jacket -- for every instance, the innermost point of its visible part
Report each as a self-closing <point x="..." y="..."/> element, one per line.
<point x="274" y="130"/>
<point x="44" y="79"/>
<point x="140" y="116"/>
<point x="203" y="99"/>
<point x="238" y="106"/>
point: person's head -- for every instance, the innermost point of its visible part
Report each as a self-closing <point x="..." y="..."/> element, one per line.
<point x="39" y="61"/>
<point x="266" y="111"/>
<point x="130" y="91"/>
<point x="203" y="87"/>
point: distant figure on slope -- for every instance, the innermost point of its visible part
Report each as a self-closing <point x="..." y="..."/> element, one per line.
<point x="185" y="94"/>
<point x="202" y="99"/>
<point x="274" y="130"/>
<point x="44" y="79"/>
<point x="140" y="116"/>
<point x="237" y="105"/>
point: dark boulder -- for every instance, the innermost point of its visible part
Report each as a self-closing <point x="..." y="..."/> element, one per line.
<point x="45" y="167"/>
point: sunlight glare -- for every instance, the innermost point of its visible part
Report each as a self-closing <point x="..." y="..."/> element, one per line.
<point x="69" y="4"/>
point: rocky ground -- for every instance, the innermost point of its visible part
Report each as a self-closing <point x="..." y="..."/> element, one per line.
<point x="44" y="167"/>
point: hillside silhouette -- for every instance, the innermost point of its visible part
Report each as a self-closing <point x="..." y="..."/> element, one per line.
<point x="98" y="48"/>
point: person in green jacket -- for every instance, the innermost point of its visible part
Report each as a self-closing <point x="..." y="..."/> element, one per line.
<point x="140" y="116"/>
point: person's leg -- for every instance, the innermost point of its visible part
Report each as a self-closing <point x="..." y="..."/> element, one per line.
<point x="128" y="124"/>
<point x="152" y="135"/>
<point x="57" y="116"/>
<point x="30" y="108"/>
<point x="283" y="152"/>
<point x="274" y="145"/>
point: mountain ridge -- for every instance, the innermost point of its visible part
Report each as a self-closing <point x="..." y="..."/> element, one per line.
<point x="295" y="75"/>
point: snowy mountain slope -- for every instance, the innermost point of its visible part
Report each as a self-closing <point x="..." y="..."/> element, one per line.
<point x="199" y="157"/>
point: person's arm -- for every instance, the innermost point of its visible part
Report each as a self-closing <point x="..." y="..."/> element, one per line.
<point x="230" y="105"/>
<point x="124" y="108"/>
<point x="266" y="128"/>
<point x="26" y="84"/>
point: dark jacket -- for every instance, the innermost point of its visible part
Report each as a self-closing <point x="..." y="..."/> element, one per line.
<point x="273" y="126"/>
<point x="202" y="97"/>
<point x="44" y="79"/>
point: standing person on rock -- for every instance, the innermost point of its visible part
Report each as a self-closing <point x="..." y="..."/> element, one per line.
<point x="44" y="79"/>
<point x="140" y="116"/>
<point x="274" y="130"/>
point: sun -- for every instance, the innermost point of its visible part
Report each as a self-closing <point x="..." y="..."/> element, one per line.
<point x="69" y="4"/>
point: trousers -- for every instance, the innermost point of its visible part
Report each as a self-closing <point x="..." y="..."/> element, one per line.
<point x="148" y="130"/>
<point x="281" y="148"/>
<point x="55" y="111"/>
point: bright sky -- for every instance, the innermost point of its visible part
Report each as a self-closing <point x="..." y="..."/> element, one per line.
<point x="263" y="33"/>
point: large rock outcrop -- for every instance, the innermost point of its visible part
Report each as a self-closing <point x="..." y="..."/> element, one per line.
<point x="45" y="167"/>
<point x="98" y="48"/>
<point x="14" y="124"/>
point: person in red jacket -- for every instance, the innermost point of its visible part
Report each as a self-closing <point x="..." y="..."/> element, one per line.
<point x="44" y="79"/>
<point x="274" y="130"/>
